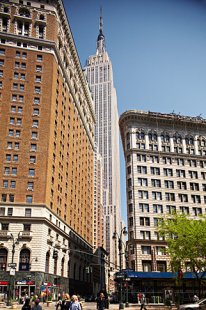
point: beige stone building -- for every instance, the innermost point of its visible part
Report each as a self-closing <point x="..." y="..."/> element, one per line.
<point x="165" y="173"/>
<point x="47" y="148"/>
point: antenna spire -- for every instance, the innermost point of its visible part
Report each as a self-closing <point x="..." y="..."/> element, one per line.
<point x="100" y="38"/>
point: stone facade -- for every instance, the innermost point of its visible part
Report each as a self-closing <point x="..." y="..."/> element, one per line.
<point x="166" y="173"/>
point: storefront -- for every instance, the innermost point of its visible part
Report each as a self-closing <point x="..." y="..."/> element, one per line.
<point x="155" y="286"/>
<point x="24" y="287"/>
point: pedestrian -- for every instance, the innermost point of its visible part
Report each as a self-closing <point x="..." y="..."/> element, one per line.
<point x="37" y="305"/>
<point x="195" y="298"/>
<point x="101" y="302"/>
<point x="66" y="302"/>
<point x="75" y="305"/>
<point x="26" y="305"/>
<point x="142" y="302"/>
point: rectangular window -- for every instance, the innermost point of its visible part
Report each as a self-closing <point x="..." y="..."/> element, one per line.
<point x="36" y="112"/>
<point x="39" y="57"/>
<point x="181" y="185"/>
<point x="1" y="62"/>
<point x="184" y="210"/>
<point x="142" y="169"/>
<point x="144" y="207"/>
<point x="38" y="68"/>
<point x="180" y="173"/>
<point x="30" y="186"/>
<point x="28" y="212"/>
<point x="31" y="172"/>
<point x="157" y="195"/>
<point x="34" y="135"/>
<point x="144" y="221"/>
<point x="2" y="51"/>
<point x="8" y="157"/>
<point x="29" y="199"/>
<point x="32" y="159"/>
<point x="35" y="123"/>
<point x="38" y="79"/>
<point x="169" y="196"/>
<point x="13" y="184"/>
<point x="15" y="158"/>
<point x="14" y="171"/>
<point x="156" y="183"/>
<point x="36" y="100"/>
<point x="168" y="172"/>
<point x="1" y="73"/>
<point x="5" y="183"/>
<point x="155" y="170"/>
<point x="171" y="209"/>
<point x="146" y="250"/>
<point x="169" y="184"/>
<point x="10" y="212"/>
<point x="6" y="170"/>
<point x="145" y="235"/>
<point x="33" y="147"/>
<point x="157" y="208"/>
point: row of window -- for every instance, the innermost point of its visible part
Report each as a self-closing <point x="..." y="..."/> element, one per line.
<point x="169" y="160"/>
<point x="169" y="209"/>
<point x="12" y="184"/>
<point x="11" y="198"/>
<point x="13" y="171"/>
<point x="193" y="174"/>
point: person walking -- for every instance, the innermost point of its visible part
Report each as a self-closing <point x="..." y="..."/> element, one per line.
<point x="142" y="302"/>
<point x="37" y="305"/>
<point x="101" y="302"/>
<point x="26" y="305"/>
<point x="75" y="305"/>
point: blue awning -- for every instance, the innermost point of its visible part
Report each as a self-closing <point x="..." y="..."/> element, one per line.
<point x="160" y="275"/>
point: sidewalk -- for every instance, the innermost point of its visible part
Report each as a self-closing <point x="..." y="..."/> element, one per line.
<point x="92" y="306"/>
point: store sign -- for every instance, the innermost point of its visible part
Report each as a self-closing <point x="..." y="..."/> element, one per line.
<point x="24" y="282"/>
<point x="4" y="282"/>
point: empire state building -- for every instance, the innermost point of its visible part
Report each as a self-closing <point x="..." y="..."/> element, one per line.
<point x="100" y="78"/>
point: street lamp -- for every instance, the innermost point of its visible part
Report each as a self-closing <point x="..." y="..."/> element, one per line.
<point x="15" y="241"/>
<point x="120" y="242"/>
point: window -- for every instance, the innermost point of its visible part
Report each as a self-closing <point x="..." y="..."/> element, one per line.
<point x="131" y="221"/>
<point x="156" y="183"/>
<point x="33" y="147"/>
<point x="30" y="186"/>
<point x="9" y="145"/>
<point x="6" y="170"/>
<point x="14" y="97"/>
<point x="18" y="132"/>
<point x="31" y="172"/>
<point x="35" y="123"/>
<point x="1" y="73"/>
<point x="196" y="198"/>
<point x="14" y="171"/>
<point x="20" y="109"/>
<point x="2" y="51"/>
<point x="197" y="211"/>
<point x="19" y="121"/>
<point x="194" y="186"/>
<point x="23" y="65"/>
<point x="36" y="112"/>
<point x="142" y="182"/>
<point x="1" y="62"/>
<point x="183" y="197"/>
<point x="39" y="57"/>
<point x="144" y="221"/>
<point x="38" y="68"/>
<point x="5" y="183"/>
<point x="142" y="169"/>
<point x="193" y="174"/>
<point x="156" y="221"/>
<point x="157" y="208"/>
<point x="167" y="160"/>
<point x="22" y="76"/>
<point x="27" y="214"/>
<point x="34" y="135"/>
<point x="3" y="198"/>
<point x="168" y="172"/>
<point x="11" y="197"/>
<point x="145" y="235"/>
<point x="32" y="159"/>
<point x="36" y="100"/>
<point x="15" y="158"/>
<point x="180" y="173"/>
<point x="184" y="210"/>
<point x="141" y="158"/>
<point x="11" y="133"/>
<point x="144" y="207"/>
<point x="181" y="185"/>
<point x="169" y="196"/>
<point x="16" y="145"/>
<point x="169" y="184"/>
<point x="29" y="199"/>
<point x="146" y="249"/>
<point x="38" y="79"/>
<point x="8" y="157"/>
<point x="13" y="109"/>
<point x="22" y="87"/>
<point x="155" y="170"/>
<point x="157" y="195"/>
<point x="143" y="194"/>
<point x="130" y="195"/>
<point x="10" y="212"/>
<point x="146" y="266"/>
<point x="37" y="90"/>
<point x="171" y="209"/>
<point x="13" y="184"/>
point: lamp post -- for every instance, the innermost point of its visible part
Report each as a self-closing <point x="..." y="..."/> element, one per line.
<point x="120" y="242"/>
<point x="15" y="241"/>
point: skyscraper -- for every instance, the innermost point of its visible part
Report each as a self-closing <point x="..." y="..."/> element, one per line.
<point x="100" y="78"/>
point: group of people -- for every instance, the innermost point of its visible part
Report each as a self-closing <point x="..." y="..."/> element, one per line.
<point x="67" y="303"/>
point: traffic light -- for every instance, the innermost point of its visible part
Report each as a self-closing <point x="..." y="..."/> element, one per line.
<point x="55" y="254"/>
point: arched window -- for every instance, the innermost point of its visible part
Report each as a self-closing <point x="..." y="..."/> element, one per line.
<point x="42" y="17"/>
<point x="47" y="262"/>
<point x="24" y="261"/>
<point x="3" y="259"/>
<point x="62" y="267"/>
<point x="177" y="139"/>
<point x="189" y="141"/>
<point x="152" y="136"/>
<point x="140" y="135"/>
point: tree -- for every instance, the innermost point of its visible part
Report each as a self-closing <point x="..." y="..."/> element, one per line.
<point x="186" y="241"/>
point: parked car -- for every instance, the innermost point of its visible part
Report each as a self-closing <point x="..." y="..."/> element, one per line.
<point x="201" y="305"/>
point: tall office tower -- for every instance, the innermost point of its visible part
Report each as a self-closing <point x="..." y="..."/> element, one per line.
<point x="100" y="78"/>
<point x="166" y="173"/>
<point x="47" y="151"/>
<point x="99" y="226"/>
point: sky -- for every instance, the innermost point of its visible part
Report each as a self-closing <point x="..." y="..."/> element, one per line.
<point x="158" y="54"/>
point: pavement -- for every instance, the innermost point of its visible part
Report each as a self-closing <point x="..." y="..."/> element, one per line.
<point x="93" y="306"/>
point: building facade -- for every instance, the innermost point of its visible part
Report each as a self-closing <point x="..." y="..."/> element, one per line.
<point x="47" y="148"/>
<point x="99" y="74"/>
<point x="166" y="173"/>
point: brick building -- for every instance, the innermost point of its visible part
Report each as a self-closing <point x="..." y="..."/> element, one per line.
<point x="47" y="151"/>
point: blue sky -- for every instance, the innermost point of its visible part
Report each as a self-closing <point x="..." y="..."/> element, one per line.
<point x="158" y="52"/>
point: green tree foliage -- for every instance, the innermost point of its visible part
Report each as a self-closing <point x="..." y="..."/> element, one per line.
<point x="186" y="240"/>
